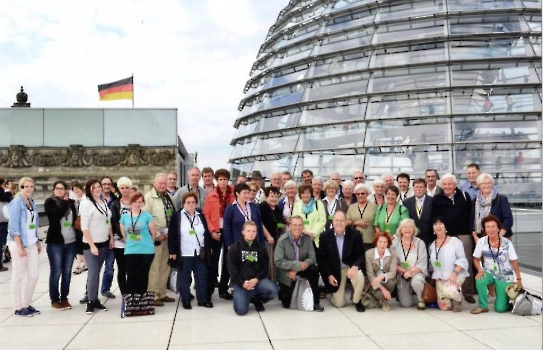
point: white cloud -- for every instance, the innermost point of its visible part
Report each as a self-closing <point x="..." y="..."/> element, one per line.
<point x="194" y="56"/>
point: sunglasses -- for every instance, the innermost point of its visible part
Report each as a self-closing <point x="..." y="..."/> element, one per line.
<point x="357" y="178"/>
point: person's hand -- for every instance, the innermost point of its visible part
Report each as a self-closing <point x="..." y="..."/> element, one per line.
<point x="22" y="253"/>
<point x="39" y="247"/>
<point x="252" y="283"/>
<point x="111" y="243"/>
<point x="270" y="240"/>
<point x="386" y="294"/>
<point x="216" y="236"/>
<point x="94" y="251"/>
<point x="362" y="223"/>
<point x="452" y="278"/>
<point x="376" y="281"/>
<point x="292" y="275"/>
<point x="351" y="274"/>
<point x="519" y="282"/>
<point x="247" y="285"/>
<point x="407" y="275"/>
<point x="173" y="256"/>
<point x="303" y="266"/>
<point x="480" y="275"/>
<point x="332" y="280"/>
<point x="161" y="237"/>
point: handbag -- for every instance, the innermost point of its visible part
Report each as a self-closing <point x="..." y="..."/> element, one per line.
<point x="138" y="304"/>
<point x="4" y="213"/>
<point x="172" y="280"/>
<point x="77" y="223"/>
<point x="302" y="295"/>
<point x="429" y="294"/>
<point x="527" y="304"/>
<point x="451" y="291"/>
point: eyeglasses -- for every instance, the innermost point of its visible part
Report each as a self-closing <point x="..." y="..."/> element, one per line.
<point x="105" y="185"/>
<point x="173" y="179"/>
<point x="361" y="194"/>
<point x="97" y="186"/>
<point x="254" y="191"/>
<point x="357" y="178"/>
<point x="60" y="188"/>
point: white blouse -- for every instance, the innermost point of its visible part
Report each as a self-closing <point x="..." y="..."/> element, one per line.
<point x="450" y="255"/>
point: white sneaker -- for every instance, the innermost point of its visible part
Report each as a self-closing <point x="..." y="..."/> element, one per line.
<point x="491" y="299"/>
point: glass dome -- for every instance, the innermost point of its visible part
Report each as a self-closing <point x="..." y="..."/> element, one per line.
<point x="397" y="86"/>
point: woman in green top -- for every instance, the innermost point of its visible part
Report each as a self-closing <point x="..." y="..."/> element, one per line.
<point x="390" y="214"/>
<point x="312" y="212"/>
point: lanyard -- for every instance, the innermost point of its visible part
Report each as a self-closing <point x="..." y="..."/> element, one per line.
<point x="247" y="214"/>
<point x="31" y="210"/>
<point x="498" y="253"/>
<point x="389" y="215"/>
<point x="408" y="250"/>
<point x="363" y="210"/>
<point x="99" y="208"/>
<point x="419" y="209"/>
<point x="190" y="221"/>
<point x="438" y="249"/>
<point x="333" y="210"/>
<point x="134" y="223"/>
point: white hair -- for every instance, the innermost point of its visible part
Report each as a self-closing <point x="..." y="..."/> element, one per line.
<point x="275" y="173"/>
<point x="482" y="177"/>
<point x="364" y="187"/>
<point x="159" y="175"/>
<point x="449" y="176"/>
<point x="378" y="182"/>
<point x="124" y="181"/>
<point x="384" y="176"/>
<point x="347" y="183"/>
<point x="290" y="183"/>
<point x="317" y="178"/>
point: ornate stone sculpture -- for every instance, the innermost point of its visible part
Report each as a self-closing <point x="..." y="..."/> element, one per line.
<point x="22" y="99"/>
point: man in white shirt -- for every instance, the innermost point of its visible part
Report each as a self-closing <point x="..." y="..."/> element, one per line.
<point x="431" y="181"/>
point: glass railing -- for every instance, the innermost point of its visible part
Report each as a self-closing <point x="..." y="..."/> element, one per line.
<point x="527" y="234"/>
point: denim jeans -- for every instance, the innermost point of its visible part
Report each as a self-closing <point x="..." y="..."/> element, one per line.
<point x="264" y="289"/>
<point x="199" y="267"/>
<point x="61" y="258"/>
<point x="109" y="270"/>
<point x="94" y="263"/>
<point x="3" y="239"/>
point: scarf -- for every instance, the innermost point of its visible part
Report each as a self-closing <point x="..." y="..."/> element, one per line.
<point x="222" y="200"/>
<point x="308" y="209"/>
<point x="482" y="209"/>
<point x="58" y="201"/>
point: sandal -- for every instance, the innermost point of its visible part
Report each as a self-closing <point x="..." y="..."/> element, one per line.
<point x="478" y="310"/>
<point x="77" y="270"/>
<point x="84" y="268"/>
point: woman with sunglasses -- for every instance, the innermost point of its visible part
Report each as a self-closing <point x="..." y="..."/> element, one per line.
<point x="361" y="215"/>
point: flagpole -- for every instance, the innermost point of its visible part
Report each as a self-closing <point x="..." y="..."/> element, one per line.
<point x="133" y="90"/>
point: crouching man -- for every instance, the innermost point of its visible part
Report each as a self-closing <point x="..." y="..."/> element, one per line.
<point x="247" y="262"/>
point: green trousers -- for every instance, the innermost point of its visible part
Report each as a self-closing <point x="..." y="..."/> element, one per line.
<point x="502" y="300"/>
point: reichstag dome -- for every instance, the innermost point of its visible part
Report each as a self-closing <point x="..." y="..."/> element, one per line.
<point x="397" y="86"/>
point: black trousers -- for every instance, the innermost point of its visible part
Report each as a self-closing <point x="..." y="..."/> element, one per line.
<point x="137" y="272"/>
<point x="213" y="271"/>
<point x="121" y="269"/>
<point x="312" y="275"/>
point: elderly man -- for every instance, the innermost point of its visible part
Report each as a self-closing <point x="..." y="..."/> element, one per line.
<point x="388" y="179"/>
<point x="307" y="177"/>
<point x="159" y="203"/>
<point x="431" y="182"/>
<point x="403" y="180"/>
<point x="358" y="178"/>
<point x="194" y="177"/>
<point x="258" y="179"/>
<point x="341" y="256"/>
<point x="420" y="210"/>
<point x="295" y="256"/>
<point x="472" y="172"/>
<point x="453" y="206"/>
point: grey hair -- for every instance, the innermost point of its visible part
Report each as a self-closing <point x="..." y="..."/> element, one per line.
<point x="378" y="182"/>
<point x="275" y="173"/>
<point x="159" y="175"/>
<point x="317" y="178"/>
<point x="348" y="183"/>
<point x="449" y="176"/>
<point x="481" y="178"/>
<point x="384" y="176"/>
<point x="290" y="183"/>
<point x="364" y="187"/>
<point x="124" y="181"/>
<point x="405" y="222"/>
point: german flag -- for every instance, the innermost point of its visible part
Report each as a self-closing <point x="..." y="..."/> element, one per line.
<point x="118" y="90"/>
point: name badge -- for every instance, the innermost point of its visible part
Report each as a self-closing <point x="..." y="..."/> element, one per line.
<point x="405" y="265"/>
<point x="306" y="222"/>
<point x="107" y="221"/>
<point x="437" y="264"/>
<point x="330" y="217"/>
<point x="250" y="258"/>
<point x="495" y="267"/>
<point x="169" y="212"/>
<point x="387" y="228"/>
<point x="192" y="232"/>
<point x="67" y="224"/>
<point x="134" y="235"/>
<point x="32" y="226"/>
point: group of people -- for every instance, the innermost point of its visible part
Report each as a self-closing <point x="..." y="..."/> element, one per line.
<point x="384" y="241"/>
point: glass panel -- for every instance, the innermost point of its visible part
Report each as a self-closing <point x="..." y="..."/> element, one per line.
<point x="147" y="127"/>
<point x="300" y="17"/>
<point x="501" y="100"/>
<point x="405" y="132"/>
<point x="298" y="35"/>
<point x="347" y="85"/>
<point x="493" y="73"/>
<point x="278" y="123"/>
<point x="345" y="41"/>
<point x="503" y="157"/>
<point x="410" y="9"/>
<point x="408" y="79"/>
<point x="269" y="166"/>
<point x="505" y="23"/>
<point x="283" y="144"/>
<point x="292" y="55"/>
<point x="350" y="20"/>
<point x="534" y="4"/>
<point x="534" y="22"/>
<point x="244" y="130"/>
<point x="463" y="5"/>
<point x="345" y="4"/>
<point x="512" y="128"/>
<point x="277" y="79"/>
<point x="410" y="31"/>
<point x="333" y="115"/>
<point x="325" y="164"/>
<point x="416" y="53"/>
<point x="536" y="45"/>
<point x="495" y="47"/>
<point x="22" y="126"/>
<point x="59" y="122"/>
<point x="240" y="168"/>
<point x="340" y="64"/>
<point x="380" y="160"/>
<point x="349" y="135"/>
<point x="242" y="150"/>
<point x="282" y="97"/>
<point x="251" y="106"/>
<point x="400" y="106"/>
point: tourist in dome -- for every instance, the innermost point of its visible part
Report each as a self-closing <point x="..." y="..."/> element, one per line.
<point x="361" y="215"/>
<point x="391" y="213"/>
<point x="331" y="202"/>
<point x="312" y="212"/>
<point x="286" y="205"/>
<point x="381" y="265"/>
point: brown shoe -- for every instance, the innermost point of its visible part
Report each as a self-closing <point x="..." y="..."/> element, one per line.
<point x="66" y="304"/>
<point x="57" y="305"/>
<point x="456" y="306"/>
<point x="167" y="299"/>
<point x="469" y="299"/>
<point x="3" y="268"/>
<point x="478" y="310"/>
<point x="158" y="302"/>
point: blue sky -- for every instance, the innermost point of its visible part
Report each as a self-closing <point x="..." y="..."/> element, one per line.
<point x="191" y="55"/>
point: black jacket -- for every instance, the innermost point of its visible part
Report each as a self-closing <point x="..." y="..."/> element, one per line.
<point x="116" y="217"/>
<point x="54" y="214"/>
<point x="241" y="268"/>
<point x="456" y="216"/>
<point x="424" y="223"/>
<point x="353" y="254"/>
<point x="5" y="196"/>
<point x="174" y="237"/>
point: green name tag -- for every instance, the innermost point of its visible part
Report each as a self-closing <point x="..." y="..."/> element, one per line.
<point x="495" y="268"/>
<point x="306" y="222"/>
<point x="387" y="228"/>
<point x="330" y="217"/>
<point x="250" y="258"/>
<point x="134" y="237"/>
<point x="67" y="224"/>
<point x="107" y="221"/>
<point x="437" y="264"/>
<point x="32" y="226"/>
<point x="192" y="232"/>
<point x="280" y="225"/>
<point x="405" y="265"/>
<point x="169" y="212"/>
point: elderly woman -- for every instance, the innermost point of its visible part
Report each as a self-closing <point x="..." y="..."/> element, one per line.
<point x="312" y="212"/>
<point x="272" y="222"/>
<point x="189" y="246"/>
<point x="61" y="243"/>
<point x="500" y="266"/>
<point x="449" y="265"/>
<point x="347" y="192"/>
<point x="332" y="203"/>
<point x="253" y="190"/>
<point x="286" y="205"/>
<point x="489" y="201"/>
<point x="362" y="214"/>
<point x="378" y="196"/>
<point x="390" y="214"/>
<point x="317" y="185"/>
<point x="412" y="263"/>
<point x="381" y="265"/>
